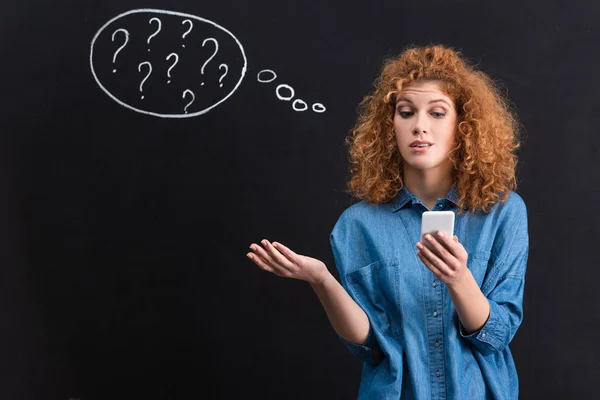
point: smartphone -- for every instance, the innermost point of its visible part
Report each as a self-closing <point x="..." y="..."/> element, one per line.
<point x="434" y="221"/>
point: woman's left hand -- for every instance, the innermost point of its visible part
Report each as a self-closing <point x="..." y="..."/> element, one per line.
<point x="445" y="257"/>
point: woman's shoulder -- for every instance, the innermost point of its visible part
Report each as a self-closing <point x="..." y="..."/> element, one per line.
<point x="360" y="211"/>
<point x="513" y="207"/>
<point x="358" y="214"/>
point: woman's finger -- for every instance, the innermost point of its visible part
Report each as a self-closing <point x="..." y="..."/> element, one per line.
<point x="268" y="265"/>
<point x="286" y="252"/>
<point x="429" y="265"/>
<point x="261" y="264"/>
<point x="449" y="245"/>
<point x="277" y="256"/>
<point x="271" y="257"/>
<point x="437" y="248"/>
<point x="433" y="259"/>
<point x="264" y="256"/>
<point x="278" y="261"/>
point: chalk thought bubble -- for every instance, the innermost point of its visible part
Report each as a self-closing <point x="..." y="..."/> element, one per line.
<point x="165" y="63"/>
<point x="298" y="104"/>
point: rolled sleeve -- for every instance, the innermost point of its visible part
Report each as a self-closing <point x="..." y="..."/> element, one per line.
<point x="504" y="319"/>
<point x="505" y="288"/>
<point x="369" y="352"/>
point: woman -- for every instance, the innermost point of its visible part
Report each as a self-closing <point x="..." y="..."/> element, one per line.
<point x="432" y="319"/>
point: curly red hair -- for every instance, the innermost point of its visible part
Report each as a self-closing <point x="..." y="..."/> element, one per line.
<point x="483" y="153"/>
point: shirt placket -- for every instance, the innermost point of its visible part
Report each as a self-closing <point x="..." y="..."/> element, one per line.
<point x="435" y="329"/>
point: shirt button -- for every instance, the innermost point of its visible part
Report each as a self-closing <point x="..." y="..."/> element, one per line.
<point x="483" y="335"/>
<point x="437" y="344"/>
<point x="434" y="284"/>
<point x="437" y="373"/>
<point x="435" y="313"/>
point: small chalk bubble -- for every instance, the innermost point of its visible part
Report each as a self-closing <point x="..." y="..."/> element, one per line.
<point x="295" y="105"/>
<point x="318" y="108"/>
<point x="288" y="87"/>
<point x="266" y="71"/>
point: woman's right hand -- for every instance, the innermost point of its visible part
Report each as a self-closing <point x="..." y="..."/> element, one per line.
<point x="281" y="261"/>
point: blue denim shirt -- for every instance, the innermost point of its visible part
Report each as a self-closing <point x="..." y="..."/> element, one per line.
<point x="416" y="347"/>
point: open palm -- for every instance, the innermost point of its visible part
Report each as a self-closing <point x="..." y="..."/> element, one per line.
<point x="282" y="261"/>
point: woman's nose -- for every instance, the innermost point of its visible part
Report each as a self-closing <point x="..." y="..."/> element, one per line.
<point x="421" y="124"/>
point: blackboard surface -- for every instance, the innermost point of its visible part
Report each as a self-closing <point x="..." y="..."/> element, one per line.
<point x="125" y="220"/>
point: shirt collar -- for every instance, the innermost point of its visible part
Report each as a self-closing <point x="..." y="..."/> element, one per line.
<point x="405" y="196"/>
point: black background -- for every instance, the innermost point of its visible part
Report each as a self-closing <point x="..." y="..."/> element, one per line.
<point x="124" y="236"/>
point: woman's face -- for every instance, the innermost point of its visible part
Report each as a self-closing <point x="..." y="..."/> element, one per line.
<point x="424" y="112"/>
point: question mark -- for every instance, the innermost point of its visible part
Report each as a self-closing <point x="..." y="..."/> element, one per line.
<point x="147" y="76"/>
<point x="158" y="30"/>
<point x="193" y="98"/>
<point x="172" y="66"/>
<point x="188" y="31"/>
<point x="211" y="57"/>
<point x="223" y="76"/>
<point x="122" y="46"/>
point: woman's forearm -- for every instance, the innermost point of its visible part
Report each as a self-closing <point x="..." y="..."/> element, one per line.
<point x="471" y="305"/>
<point x="346" y="317"/>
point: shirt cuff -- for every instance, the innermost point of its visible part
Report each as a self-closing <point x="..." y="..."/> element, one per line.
<point x="369" y="352"/>
<point x="490" y="338"/>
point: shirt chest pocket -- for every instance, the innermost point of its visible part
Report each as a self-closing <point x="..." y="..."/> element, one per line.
<point x="478" y="264"/>
<point x="375" y="287"/>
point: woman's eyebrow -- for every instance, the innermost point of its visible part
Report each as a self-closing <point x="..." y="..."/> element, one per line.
<point x="432" y="101"/>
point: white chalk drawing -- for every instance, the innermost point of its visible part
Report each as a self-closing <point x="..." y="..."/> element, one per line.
<point x="122" y="46"/>
<point x="297" y="105"/>
<point x="230" y="66"/>
<point x="147" y="75"/>
<point x="158" y="30"/>
<point x="224" y="74"/>
<point x="303" y="105"/>
<point x="189" y="21"/>
<point x="220" y="75"/>
<point x="266" y="71"/>
<point x="190" y="103"/>
<point x="288" y="87"/>
<point x="172" y="66"/>
<point x="212" y="56"/>
<point x="318" y="108"/>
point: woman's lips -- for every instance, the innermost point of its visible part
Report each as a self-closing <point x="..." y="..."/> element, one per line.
<point x="421" y="149"/>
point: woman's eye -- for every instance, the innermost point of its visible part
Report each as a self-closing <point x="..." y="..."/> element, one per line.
<point x="406" y="114"/>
